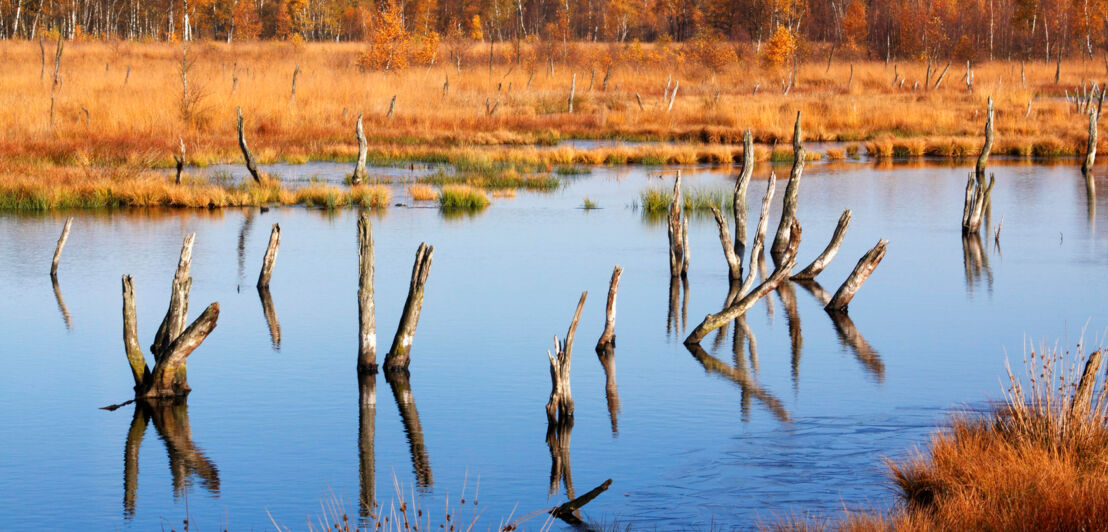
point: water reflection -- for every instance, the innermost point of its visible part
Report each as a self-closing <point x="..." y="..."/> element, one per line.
<point x="848" y="334"/>
<point x="607" y="356"/>
<point x="270" y="317"/>
<point x="796" y="339"/>
<point x="677" y="317"/>
<point x="739" y="375"/>
<point x="244" y="232"/>
<point x="367" y="415"/>
<point x="976" y="263"/>
<point x="186" y="460"/>
<point x="61" y="304"/>
<point x="402" y="392"/>
<point x="557" y="440"/>
<point x="1090" y="201"/>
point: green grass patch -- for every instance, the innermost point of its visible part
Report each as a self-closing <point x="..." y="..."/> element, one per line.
<point x="462" y="197"/>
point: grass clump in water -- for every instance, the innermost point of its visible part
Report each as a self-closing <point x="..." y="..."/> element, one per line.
<point x="421" y="192"/>
<point x="589" y="204"/>
<point x="572" y="170"/>
<point x="462" y="197"/>
<point x="656" y="200"/>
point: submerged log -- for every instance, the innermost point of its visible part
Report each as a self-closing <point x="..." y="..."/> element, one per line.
<point x="570" y="510"/>
<point x="829" y="252"/>
<point x="251" y="165"/>
<point x="363" y="145"/>
<point x="560" y="405"/>
<point x="714" y="321"/>
<point x="398" y="358"/>
<point x="61" y="244"/>
<point x="792" y="194"/>
<point x="270" y="256"/>
<point x="367" y="326"/>
<point x="734" y="263"/>
<point x="608" y="337"/>
<point x="854" y="281"/>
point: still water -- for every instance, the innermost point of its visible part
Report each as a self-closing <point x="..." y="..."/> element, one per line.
<point x="274" y="426"/>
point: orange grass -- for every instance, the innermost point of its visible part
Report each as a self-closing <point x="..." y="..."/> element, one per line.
<point x="420" y="192"/>
<point x="1030" y="464"/>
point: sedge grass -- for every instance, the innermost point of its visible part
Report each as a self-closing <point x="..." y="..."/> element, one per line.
<point x="463" y="197"/>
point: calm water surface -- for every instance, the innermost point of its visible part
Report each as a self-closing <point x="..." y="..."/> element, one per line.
<point x="274" y="427"/>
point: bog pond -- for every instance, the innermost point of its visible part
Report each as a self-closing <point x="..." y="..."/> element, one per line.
<point x="274" y="428"/>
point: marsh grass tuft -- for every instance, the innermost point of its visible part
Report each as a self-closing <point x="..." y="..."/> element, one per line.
<point x="462" y="197"/>
<point x="655" y="200"/>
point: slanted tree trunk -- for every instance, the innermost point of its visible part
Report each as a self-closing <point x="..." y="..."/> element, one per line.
<point x="828" y="254"/>
<point x="270" y="256"/>
<point x="168" y="379"/>
<point x="250" y="163"/>
<point x="792" y="194"/>
<point x="560" y="406"/>
<point x="983" y="157"/>
<point x="608" y="337"/>
<point x="397" y="358"/>
<point x="367" y="327"/>
<point x="861" y="272"/>
<point x="58" y="249"/>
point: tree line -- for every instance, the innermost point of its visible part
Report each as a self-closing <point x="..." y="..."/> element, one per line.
<point x="955" y="29"/>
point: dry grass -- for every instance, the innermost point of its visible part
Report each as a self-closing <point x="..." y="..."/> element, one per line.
<point x="421" y="192"/>
<point x="1039" y="461"/>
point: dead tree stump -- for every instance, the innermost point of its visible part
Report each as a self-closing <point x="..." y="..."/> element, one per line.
<point x="677" y="230"/>
<point x="1090" y="150"/>
<point x="854" y="281"/>
<point x="829" y="252"/>
<point x="397" y="358"/>
<point x="734" y="263"/>
<point x="250" y="163"/>
<point x="58" y="249"/>
<point x="139" y="370"/>
<point x="363" y="145"/>
<point x="560" y="406"/>
<point x="608" y="337"/>
<point x="367" y="327"/>
<point x="179" y="158"/>
<point x="983" y="157"/>
<point x="792" y="194"/>
<point x="270" y="256"/>
<point x="976" y="202"/>
<point x="1081" y="404"/>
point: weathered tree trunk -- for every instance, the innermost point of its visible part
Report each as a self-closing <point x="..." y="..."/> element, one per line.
<point x="270" y="256"/>
<point x="714" y="321"/>
<point x="734" y="263"/>
<point x="367" y="417"/>
<point x="397" y="358"/>
<point x="977" y="201"/>
<point x="179" y="158"/>
<point x="61" y="244"/>
<point x="367" y="326"/>
<point x="168" y="379"/>
<point x="738" y="207"/>
<point x="177" y="314"/>
<point x="608" y="337"/>
<point x="250" y="163"/>
<point x="760" y="233"/>
<point x="363" y="146"/>
<point x="678" y="258"/>
<point x="139" y="370"/>
<point x="828" y="254"/>
<point x="1090" y="150"/>
<point x="409" y="416"/>
<point x="572" y="92"/>
<point x="854" y="281"/>
<point x="983" y="157"/>
<point x="792" y="194"/>
<point x="673" y="96"/>
<point x="560" y="405"/>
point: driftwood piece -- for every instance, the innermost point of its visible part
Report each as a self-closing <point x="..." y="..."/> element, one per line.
<point x="139" y="370"/>
<point x="608" y="337"/>
<point x="397" y="358"/>
<point x="714" y="321"/>
<point x="792" y="194"/>
<point x="738" y="206"/>
<point x="734" y="263"/>
<point x="1083" y="394"/>
<point x="1090" y="150"/>
<point x="363" y="146"/>
<point x="560" y="405"/>
<point x="983" y="157"/>
<point x="251" y="165"/>
<point x="270" y="256"/>
<point x="829" y="252"/>
<point x="677" y="232"/>
<point x="570" y="510"/>
<point x="409" y="416"/>
<point x="367" y="326"/>
<point x="760" y="233"/>
<point x="854" y="281"/>
<point x="61" y="244"/>
<point x="177" y="314"/>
